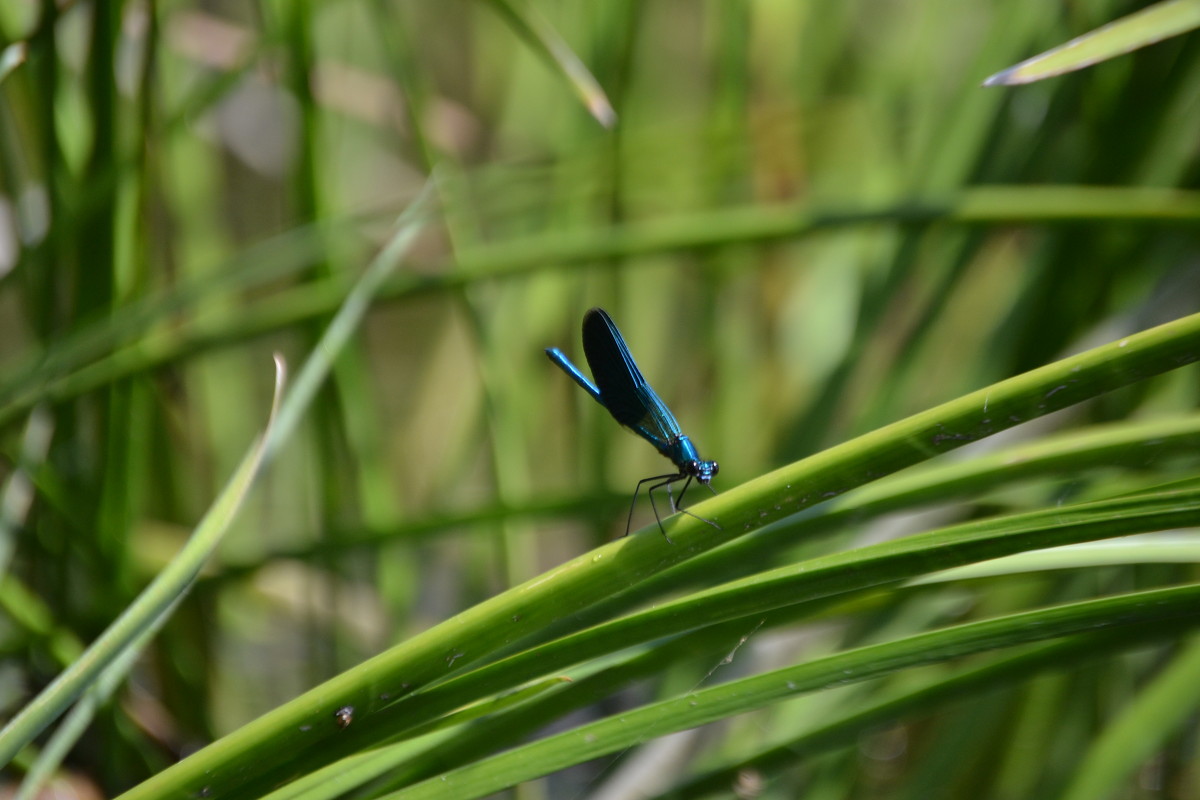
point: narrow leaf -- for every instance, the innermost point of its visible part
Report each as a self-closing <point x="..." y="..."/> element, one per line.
<point x="1150" y="25"/>
<point x="541" y="36"/>
<point x="737" y="697"/>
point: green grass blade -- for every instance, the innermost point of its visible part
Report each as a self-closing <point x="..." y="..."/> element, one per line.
<point x="916" y="703"/>
<point x="547" y="252"/>
<point x="81" y="714"/>
<point x="541" y="36"/>
<point x="347" y="320"/>
<point x="340" y="777"/>
<point x="143" y="617"/>
<point x="832" y="472"/>
<point x="836" y="575"/>
<point x="360" y="768"/>
<point x="737" y="697"/>
<point x="1069" y="453"/>
<point x="1153" y="24"/>
<point x="1171" y="549"/>
<point x="1156" y="713"/>
<point x="300" y="735"/>
<point x="152" y="607"/>
<point x="976" y="205"/>
<point x="782" y="588"/>
<point x="42" y="370"/>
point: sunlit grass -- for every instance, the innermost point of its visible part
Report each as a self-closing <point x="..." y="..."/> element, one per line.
<point x="810" y="223"/>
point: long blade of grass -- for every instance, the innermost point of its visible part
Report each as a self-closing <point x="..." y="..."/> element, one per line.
<point x="1169" y="549"/>
<point x="152" y="607"/>
<point x="1145" y="27"/>
<point x="838" y="574"/>
<point x="272" y="260"/>
<point x="144" y="616"/>
<point x="614" y="637"/>
<point x="1139" y="730"/>
<point x="348" y="318"/>
<point x="1175" y="605"/>
<point x="81" y="714"/>
<point x="300" y="735"/>
<point x="342" y="776"/>
<point x="425" y="754"/>
<point x="1070" y="453"/>
<point x="993" y="204"/>
<point x="537" y="32"/>
<point x="916" y="702"/>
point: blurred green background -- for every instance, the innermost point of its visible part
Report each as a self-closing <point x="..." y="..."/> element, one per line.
<point x="809" y="220"/>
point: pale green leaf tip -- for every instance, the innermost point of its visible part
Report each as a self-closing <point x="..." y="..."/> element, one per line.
<point x="1007" y="77"/>
<point x="602" y="112"/>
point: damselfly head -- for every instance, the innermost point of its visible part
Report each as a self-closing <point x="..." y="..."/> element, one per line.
<point x="702" y="471"/>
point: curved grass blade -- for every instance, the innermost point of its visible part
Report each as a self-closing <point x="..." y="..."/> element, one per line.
<point x="145" y="615"/>
<point x="1169" y="549"/>
<point x="153" y="606"/>
<point x="349" y="316"/>
<point x="97" y="694"/>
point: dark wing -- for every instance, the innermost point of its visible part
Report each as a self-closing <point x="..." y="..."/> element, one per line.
<point x="624" y="391"/>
